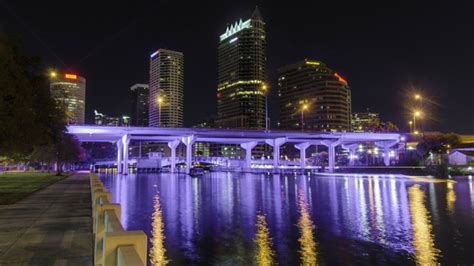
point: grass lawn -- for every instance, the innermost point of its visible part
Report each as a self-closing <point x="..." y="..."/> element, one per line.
<point x="16" y="186"/>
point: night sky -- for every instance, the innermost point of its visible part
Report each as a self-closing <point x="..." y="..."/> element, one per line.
<point x="384" y="49"/>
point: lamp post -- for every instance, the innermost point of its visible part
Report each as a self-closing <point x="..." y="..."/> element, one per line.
<point x="160" y="101"/>
<point x="415" y="115"/>
<point x="264" y="89"/>
<point x="411" y="125"/>
<point x="303" y="108"/>
<point x="419" y="98"/>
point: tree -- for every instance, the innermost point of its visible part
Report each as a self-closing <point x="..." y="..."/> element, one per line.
<point x="377" y="126"/>
<point x="29" y="116"/>
<point x="44" y="154"/>
<point x="68" y="150"/>
<point x="436" y="143"/>
<point x="390" y="127"/>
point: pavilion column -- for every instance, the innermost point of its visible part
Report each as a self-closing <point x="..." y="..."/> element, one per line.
<point x="276" y="144"/>
<point x="188" y="141"/>
<point x="119" y="156"/>
<point x="172" y="145"/>
<point x="386" y="147"/>
<point x="386" y="157"/>
<point x="248" y="146"/>
<point x="125" y="143"/>
<point x="351" y="148"/>
<point x="302" y="147"/>
<point x="140" y="150"/>
<point x="332" y="157"/>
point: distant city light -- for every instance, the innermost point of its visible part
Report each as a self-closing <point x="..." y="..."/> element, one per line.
<point x="233" y="40"/>
<point x="313" y="63"/>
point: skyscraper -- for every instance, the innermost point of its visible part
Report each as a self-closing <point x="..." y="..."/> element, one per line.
<point x="70" y="90"/>
<point x="242" y="75"/>
<point x="313" y="97"/>
<point x="139" y="100"/>
<point x="166" y="89"/>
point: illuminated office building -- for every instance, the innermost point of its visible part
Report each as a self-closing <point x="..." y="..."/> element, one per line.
<point x="363" y="122"/>
<point x="111" y="121"/>
<point x="313" y="97"/>
<point x="139" y="101"/>
<point x="242" y="75"/>
<point x="70" y="90"/>
<point x="166" y="101"/>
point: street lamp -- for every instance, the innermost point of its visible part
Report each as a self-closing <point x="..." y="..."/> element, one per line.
<point x="53" y="74"/>
<point x="415" y="115"/>
<point x="411" y="125"/>
<point x="418" y="97"/>
<point x="264" y="90"/>
<point x="160" y="101"/>
<point x="304" y="107"/>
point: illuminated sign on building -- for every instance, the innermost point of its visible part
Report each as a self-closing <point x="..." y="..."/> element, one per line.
<point x="233" y="29"/>
<point x="153" y="54"/>
<point x="313" y="63"/>
<point x="340" y="78"/>
<point x="71" y="76"/>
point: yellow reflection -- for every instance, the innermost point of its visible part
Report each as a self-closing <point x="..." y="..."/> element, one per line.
<point x="425" y="251"/>
<point x="264" y="253"/>
<point x="450" y="198"/>
<point x="307" y="244"/>
<point x="157" y="251"/>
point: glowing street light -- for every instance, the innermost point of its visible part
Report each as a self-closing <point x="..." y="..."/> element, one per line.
<point x="304" y="107"/>
<point x="264" y="90"/>
<point x="411" y="125"/>
<point x="53" y="74"/>
<point x="419" y="98"/>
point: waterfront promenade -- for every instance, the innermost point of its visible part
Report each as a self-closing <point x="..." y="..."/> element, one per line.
<point x="50" y="227"/>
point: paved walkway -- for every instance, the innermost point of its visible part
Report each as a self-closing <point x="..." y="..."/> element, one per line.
<point x="50" y="227"/>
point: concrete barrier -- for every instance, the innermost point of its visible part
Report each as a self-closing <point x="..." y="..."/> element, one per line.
<point x="112" y="244"/>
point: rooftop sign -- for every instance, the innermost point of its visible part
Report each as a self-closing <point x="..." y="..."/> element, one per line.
<point x="233" y="29"/>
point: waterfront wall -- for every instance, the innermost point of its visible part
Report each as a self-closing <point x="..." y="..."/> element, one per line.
<point x="112" y="244"/>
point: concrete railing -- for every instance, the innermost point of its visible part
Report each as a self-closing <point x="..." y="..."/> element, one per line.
<point x="112" y="244"/>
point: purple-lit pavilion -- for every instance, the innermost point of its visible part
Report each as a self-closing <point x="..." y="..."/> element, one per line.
<point x="247" y="139"/>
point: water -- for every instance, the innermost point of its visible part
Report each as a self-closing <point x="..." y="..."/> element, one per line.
<point x="358" y="220"/>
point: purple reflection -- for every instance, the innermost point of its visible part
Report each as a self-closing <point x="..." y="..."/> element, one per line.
<point x="359" y="220"/>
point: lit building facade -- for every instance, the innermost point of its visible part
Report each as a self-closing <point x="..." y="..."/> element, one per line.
<point x="242" y="75"/>
<point x="70" y="91"/>
<point x="139" y="101"/>
<point x="313" y="97"/>
<point x="363" y="122"/>
<point x="166" y="98"/>
<point x="111" y="121"/>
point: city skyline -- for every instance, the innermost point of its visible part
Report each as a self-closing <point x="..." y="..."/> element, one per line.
<point x="396" y="63"/>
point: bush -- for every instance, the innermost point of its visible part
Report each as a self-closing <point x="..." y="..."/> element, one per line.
<point x="456" y="170"/>
<point x="439" y="170"/>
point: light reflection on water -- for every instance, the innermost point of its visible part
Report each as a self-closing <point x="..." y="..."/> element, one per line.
<point x="357" y="219"/>
<point x="423" y="243"/>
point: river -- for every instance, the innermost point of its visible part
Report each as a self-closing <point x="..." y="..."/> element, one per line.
<point x="357" y="219"/>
